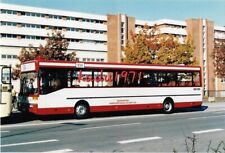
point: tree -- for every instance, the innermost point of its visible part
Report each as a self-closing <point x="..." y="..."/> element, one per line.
<point x="167" y="51"/>
<point x="171" y="51"/>
<point x="54" y="49"/>
<point x="138" y="50"/>
<point x="160" y="48"/>
<point x="219" y="58"/>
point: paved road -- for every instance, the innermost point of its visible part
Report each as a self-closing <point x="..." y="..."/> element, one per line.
<point x="134" y="132"/>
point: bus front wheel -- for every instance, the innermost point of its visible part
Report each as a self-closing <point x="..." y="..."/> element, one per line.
<point x="81" y="110"/>
<point x="168" y="106"/>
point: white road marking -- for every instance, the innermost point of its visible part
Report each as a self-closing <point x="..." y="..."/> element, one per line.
<point x="139" y="140"/>
<point x="27" y="143"/>
<point x="218" y="112"/>
<point x="59" y="151"/>
<point x="33" y="124"/>
<point x="205" y="117"/>
<point x="219" y="109"/>
<point x="108" y="126"/>
<point x="4" y="131"/>
<point x="207" y="131"/>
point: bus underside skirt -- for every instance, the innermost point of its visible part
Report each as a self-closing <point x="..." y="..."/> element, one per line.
<point x="50" y="111"/>
<point x="108" y="108"/>
<point x="187" y="104"/>
<point x="125" y="107"/>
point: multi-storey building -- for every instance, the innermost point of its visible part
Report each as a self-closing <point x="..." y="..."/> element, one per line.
<point x="100" y="37"/>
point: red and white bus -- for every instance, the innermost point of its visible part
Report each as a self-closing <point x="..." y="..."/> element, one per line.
<point x="80" y="88"/>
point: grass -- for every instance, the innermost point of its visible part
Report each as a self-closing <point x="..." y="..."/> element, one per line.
<point x="191" y="142"/>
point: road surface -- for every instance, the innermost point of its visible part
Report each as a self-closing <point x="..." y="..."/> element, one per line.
<point x="132" y="132"/>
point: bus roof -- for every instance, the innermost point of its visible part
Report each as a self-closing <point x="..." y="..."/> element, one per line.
<point x="36" y="64"/>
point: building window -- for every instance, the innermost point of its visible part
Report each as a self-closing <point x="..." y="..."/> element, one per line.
<point x="3" y="56"/>
<point x="100" y="60"/>
<point x="223" y="80"/>
<point x="28" y="14"/>
<point x="9" y="12"/>
<point x="9" y="56"/>
<point x="52" y="27"/>
<point x="3" y="35"/>
<point x="3" y="23"/>
<point x="3" y="11"/>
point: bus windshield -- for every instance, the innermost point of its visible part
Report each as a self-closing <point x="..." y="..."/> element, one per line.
<point x="29" y="84"/>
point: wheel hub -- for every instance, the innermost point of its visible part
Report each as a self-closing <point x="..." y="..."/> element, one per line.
<point x="167" y="106"/>
<point x="81" y="110"/>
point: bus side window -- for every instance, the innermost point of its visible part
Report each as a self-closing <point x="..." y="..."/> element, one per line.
<point x="189" y="84"/>
<point x="162" y="80"/>
<point x="196" y="79"/>
<point x="152" y="79"/>
<point x="118" y="80"/>
<point x="74" y="79"/>
<point x="121" y="82"/>
<point x="181" y="79"/>
<point x="75" y="83"/>
<point x="144" y="79"/>
<point x="45" y="82"/>
<point x="185" y="79"/>
<point x="171" y="79"/>
<point x="172" y="83"/>
<point x="56" y="84"/>
<point x="148" y="79"/>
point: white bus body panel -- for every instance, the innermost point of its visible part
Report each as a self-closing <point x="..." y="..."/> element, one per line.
<point x="68" y="97"/>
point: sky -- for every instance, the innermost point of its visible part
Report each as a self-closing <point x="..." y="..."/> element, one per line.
<point x="150" y="10"/>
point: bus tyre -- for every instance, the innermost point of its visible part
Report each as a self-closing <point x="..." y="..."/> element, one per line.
<point x="81" y="111"/>
<point x="168" y="106"/>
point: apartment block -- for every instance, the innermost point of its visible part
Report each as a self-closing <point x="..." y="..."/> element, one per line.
<point x="100" y="38"/>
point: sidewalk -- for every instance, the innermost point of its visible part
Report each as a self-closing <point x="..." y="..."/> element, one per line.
<point x="218" y="105"/>
<point x="214" y="100"/>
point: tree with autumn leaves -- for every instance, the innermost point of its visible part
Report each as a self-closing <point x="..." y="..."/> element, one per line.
<point x="149" y="46"/>
<point x="219" y="58"/>
<point x="54" y="49"/>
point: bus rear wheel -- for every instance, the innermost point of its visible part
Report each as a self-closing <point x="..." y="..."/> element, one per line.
<point x="81" y="110"/>
<point x="168" y="106"/>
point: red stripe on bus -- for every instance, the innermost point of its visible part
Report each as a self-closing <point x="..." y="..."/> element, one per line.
<point x="51" y="111"/>
<point x="70" y="110"/>
<point x="188" y="104"/>
<point x="125" y="107"/>
<point x="141" y="106"/>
